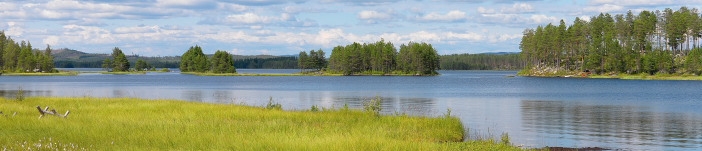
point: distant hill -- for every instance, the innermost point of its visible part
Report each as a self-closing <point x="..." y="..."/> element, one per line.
<point x="69" y="58"/>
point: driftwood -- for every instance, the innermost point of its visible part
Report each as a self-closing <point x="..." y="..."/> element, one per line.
<point x="51" y="112"/>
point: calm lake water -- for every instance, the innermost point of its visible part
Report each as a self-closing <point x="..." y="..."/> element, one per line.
<point x="535" y="112"/>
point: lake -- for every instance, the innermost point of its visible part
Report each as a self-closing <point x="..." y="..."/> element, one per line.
<point x="535" y="112"/>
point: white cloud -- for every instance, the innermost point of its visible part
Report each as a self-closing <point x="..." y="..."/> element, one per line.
<point x="368" y="14"/>
<point x="483" y="10"/>
<point x="518" y="8"/>
<point x="452" y="16"/>
<point x="543" y="19"/>
<point x="251" y="18"/>
<point x="603" y="8"/>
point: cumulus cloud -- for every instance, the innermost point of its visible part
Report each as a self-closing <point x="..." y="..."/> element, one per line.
<point x="373" y="17"/>
<point x="606" y="8"/>
<point x="518" y="8"/>
<point x="451" y="16"/>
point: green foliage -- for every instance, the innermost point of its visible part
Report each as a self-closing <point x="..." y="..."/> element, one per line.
<point x="693" y="61"/>
<point x="315" y="60"/>
<point x="277" y="62"/>
<point x="119" y="61"/>
<point x="382" y="57"/>
<point x="20" y="94"/>
<point x="22" y="58"/>
<point x="504" y="139"/>
<point x="373" y="105"/>
<point x="141" y="65"/>
<point x="222" y="62"/>
<point x="651" y="42"/>
<point x="194" y="60"/>
<point x="314" y="108"/>
<point x="273" y="105"/>
<point x="481" y="62"/>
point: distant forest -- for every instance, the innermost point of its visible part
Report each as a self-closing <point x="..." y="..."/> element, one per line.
<point x="67" y="58"/>
<point x="496" y="61"/>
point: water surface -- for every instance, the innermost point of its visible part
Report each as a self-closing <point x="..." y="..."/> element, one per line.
<point x="535" y="112"/>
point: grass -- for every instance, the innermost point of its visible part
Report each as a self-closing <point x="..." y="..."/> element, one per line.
<point x="137" y="124"/>
<point x="62" y="73"/>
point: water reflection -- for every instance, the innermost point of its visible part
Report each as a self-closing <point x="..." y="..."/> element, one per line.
<point x="636" y="126"/>
<point x="391" y="105"/>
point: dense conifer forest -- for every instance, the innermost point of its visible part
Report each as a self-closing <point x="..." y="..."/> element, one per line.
<point x="21" y="57"/>
<point x="650" y="42"/>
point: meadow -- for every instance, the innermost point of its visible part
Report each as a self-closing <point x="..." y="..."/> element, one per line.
<point x="138" y="124"/>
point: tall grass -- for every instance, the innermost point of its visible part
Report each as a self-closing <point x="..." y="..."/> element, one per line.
<point x="137" y="124"/>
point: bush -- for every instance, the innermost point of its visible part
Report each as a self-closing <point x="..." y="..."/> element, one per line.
<point x="373" y="105"/>
<point x="314" y="108"/>
<point x="273" y="105"/>
<point x="20" y="94"/>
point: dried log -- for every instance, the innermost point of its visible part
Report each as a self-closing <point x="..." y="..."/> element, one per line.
<point x="46" y="111"/>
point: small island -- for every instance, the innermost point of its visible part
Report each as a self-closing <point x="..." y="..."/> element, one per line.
<point x="649" y="45"/>
<point x="373" y="59"/>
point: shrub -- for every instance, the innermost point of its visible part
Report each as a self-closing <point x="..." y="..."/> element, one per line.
<point x="314" y="108"/>
<point x="273" y="105"/>
<point x="20" y="94"/>
<point x="373" y="105"/>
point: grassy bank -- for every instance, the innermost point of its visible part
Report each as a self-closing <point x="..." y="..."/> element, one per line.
<point x="62" y="73"/>
<point x="562" y="73"/>
<point x="136" y="124"/>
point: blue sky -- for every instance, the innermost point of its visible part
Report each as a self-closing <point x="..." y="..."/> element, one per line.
<point x="276" y="27"/>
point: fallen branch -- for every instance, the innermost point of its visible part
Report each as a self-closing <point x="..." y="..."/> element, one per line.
<point x="50" y="112"/>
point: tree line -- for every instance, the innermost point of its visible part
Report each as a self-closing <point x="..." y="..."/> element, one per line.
<point x="194" y="60"/>
<point x="481" y="62"/>
<point x="374" y="58"/>
<point x="21" y="57"/>
<point x="648" y="42"/>
<point x="267" y="63"/>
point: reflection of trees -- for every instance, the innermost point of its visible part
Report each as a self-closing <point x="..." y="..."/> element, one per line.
<point x="221" y="97"/>
<point x="193" y="95"/>
<point x="632" y="124"/>
<point x="412" y="106"/>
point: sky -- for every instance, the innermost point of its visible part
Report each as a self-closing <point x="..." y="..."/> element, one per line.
<point x="286" y="27"/>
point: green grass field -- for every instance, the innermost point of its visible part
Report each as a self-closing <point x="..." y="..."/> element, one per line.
<point x="137" y="124"/>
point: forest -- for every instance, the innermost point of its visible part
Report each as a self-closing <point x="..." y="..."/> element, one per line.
<point x="492" y="61"/>
<point x="650" y="42"/>
<point x="374" y="58"/>
<point x="22" y="58"/>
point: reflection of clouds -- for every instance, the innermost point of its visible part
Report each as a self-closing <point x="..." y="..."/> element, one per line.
<point x="389" y="105"/>
<point x="618" y="125"/>
<point x="193" y="95"/>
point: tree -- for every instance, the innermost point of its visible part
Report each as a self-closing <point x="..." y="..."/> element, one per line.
<point x="302" y="61"/>
<point x="222" y="62"/>
<point x="47" y="61"/>
<point x="120" y="62"/>
<point x="194" y="60"/>
<point x="107" y="64"/>
<point x="141" y="65"/>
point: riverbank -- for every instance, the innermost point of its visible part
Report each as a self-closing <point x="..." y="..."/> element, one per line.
<point x="548" y="72"/>
<point x="138" y="124"/>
